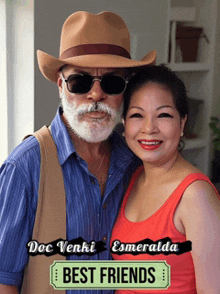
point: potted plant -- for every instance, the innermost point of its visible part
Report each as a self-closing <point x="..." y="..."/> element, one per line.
<point x="215" y="127"/>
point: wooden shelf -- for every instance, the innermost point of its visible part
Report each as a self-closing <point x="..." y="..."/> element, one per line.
<point x="189" y="66"/>
<point x="197" y="76"/>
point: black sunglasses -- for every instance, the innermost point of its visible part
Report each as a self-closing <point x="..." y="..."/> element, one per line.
<point x="82" y="83"/>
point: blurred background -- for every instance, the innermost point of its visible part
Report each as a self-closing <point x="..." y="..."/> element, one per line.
<point x="185" y="33"/>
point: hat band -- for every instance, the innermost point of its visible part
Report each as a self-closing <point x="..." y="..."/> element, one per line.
<point x="87" y="49"/>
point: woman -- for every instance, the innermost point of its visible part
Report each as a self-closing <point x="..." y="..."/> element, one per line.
<point x="167" y="196"/>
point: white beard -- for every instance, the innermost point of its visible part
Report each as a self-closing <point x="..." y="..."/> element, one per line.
<point x="98" y="129"/>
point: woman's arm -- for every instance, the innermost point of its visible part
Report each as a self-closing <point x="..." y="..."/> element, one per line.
<point x="200" y="215"/>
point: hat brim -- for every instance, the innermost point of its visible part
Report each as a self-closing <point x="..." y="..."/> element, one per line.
<point x="49" y="65"/>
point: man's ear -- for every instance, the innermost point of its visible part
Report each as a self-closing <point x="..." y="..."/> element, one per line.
<point x="60" y="83"/>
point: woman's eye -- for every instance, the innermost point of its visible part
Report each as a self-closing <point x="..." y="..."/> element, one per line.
<point x="135" y="115"/>
<point x="161" y="115"/>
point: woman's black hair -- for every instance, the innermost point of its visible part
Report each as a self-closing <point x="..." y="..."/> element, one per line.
<point x="161" y="75"/>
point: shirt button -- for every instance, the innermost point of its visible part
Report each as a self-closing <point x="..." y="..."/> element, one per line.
<point x="93" y="181"/>
<point x="104" y="238"/>
<point x="104" y="206"/>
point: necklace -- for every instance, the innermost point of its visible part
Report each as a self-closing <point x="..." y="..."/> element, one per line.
<point x="101" y="162"/>
<point x="101" y="177"/>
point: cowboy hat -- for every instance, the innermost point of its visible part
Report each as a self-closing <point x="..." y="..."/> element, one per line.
<point x="92" y="40"/>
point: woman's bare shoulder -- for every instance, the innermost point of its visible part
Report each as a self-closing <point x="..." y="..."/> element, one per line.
<point x="199" y="197"/>
<point x="203" y="192"/>
<point x="199" y="200"/>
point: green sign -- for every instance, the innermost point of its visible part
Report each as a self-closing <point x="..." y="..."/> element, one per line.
<point x="110" y="275"/>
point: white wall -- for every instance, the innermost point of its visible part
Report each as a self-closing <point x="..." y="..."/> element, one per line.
<point x="145" y="19"/>
<point x="17" y="72"/>
<point x="3" y="85"/>
<point x="216" y="92"/>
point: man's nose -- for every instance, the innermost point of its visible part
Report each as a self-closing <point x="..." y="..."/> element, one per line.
<point x="96" y="93"/>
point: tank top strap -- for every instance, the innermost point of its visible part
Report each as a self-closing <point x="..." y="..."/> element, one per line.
<point x="192" y="178"/>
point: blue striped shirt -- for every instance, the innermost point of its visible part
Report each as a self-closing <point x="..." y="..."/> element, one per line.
<point x="89" y="215"/>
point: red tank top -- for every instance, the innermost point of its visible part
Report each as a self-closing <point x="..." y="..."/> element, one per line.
<point x="157" y="226"/>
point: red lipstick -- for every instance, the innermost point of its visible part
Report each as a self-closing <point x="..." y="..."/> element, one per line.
<point x="150" y="144"/>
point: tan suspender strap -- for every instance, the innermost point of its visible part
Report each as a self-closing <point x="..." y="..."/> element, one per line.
<point x="50" y="221"/>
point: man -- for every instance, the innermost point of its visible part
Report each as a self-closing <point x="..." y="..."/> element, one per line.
<point x="96" y="165"/>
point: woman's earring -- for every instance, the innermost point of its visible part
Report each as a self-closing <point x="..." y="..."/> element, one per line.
<point x="123" y="134"/>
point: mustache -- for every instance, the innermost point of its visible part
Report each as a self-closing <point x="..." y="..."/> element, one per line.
<point x="96" y="107"/>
